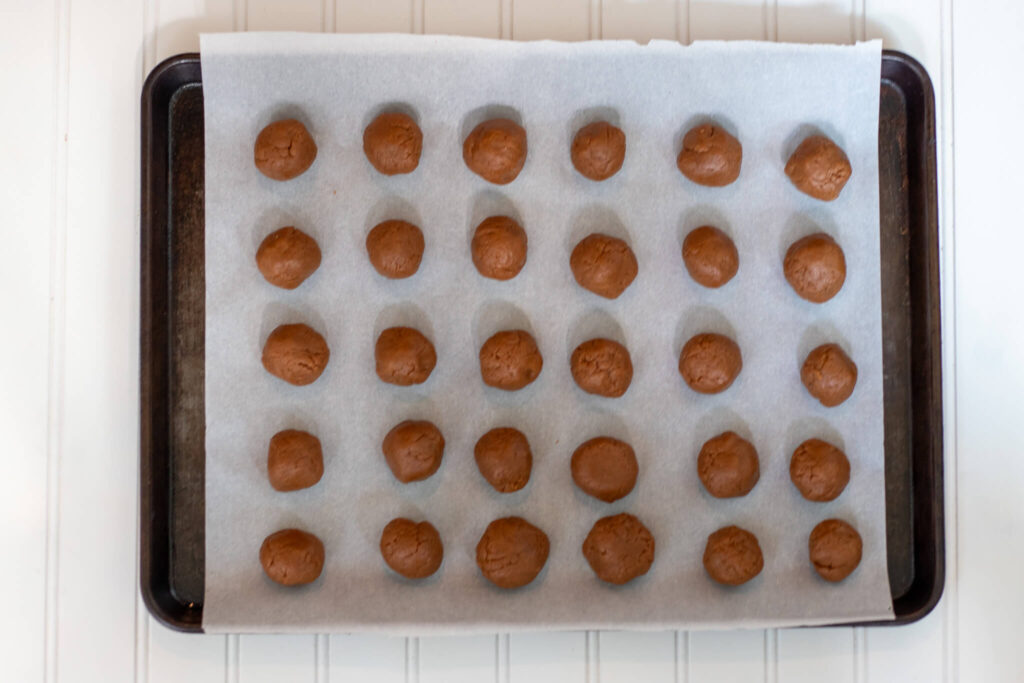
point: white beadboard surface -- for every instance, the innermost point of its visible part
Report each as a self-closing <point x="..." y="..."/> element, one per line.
<point x="71" y="73"/>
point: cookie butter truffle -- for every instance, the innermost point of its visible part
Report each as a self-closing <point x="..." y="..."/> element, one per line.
<point x="287" y="257"/>
<point x="413" y="450"/>
<point x="292" y="557"/>
<point x="728" y="466"/>
<point x="512" y="552"/>
<point x="598" y="150"/>
<point x="603" y="264"/>
<point x="504" y="459"/>
<point x="295" y="460"/>
<point x="404" y="356"/>
<point x="392" y="143"/>
<point x="510" y="360"/>
<point x="619" y="548"/>
<point x="602" y="367"/>
<point x="296" y="353"/>
<point x="819" y="168"/>
<point x="411" y="549"/>
<point x="496" y="150"/>
<point x="829" y="375"/>
<point x="395" y="248"/>
<point x="710" y="156"/>
<point x="835" y="549"/>
<point x="499" y="248"/>
<point x="710" y="256"/>
<point x="733" y="556"/>
<point x="604" y="468"/>
<point x="710" y="363"/>
<point x="284" y="150"/>
<point x="819" y="470"/>
<point x="815" y="267"/>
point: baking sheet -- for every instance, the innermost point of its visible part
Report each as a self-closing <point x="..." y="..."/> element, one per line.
<point x="769" y="95"/>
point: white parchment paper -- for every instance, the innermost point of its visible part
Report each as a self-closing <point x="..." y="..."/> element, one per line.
<point x="770" y="96"/>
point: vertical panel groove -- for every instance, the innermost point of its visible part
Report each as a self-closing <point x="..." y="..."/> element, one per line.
<point x="860" y="654"/>
<point x="322" y="656"/>
<point x="231" y="660"/>
<point x="771" y="655"/>
<point x="504" y="659"/>
<point x="682" y="663"/>
<point x="418" y="15"/>
<point x="596" y="6"/>
<point x="592" y="657"/>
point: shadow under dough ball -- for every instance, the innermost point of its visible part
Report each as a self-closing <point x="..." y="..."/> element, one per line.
<point x="603" y="264"/>
<point x="598" y="150"/>
<point x="288" y="256"/>
<point x="733" y="556"/>
<point x="819" y="167"/>
<point x="284" y="150"/>
<point x="292" y="557"/>
<point x="602" y="367"/>
<point x="819" y="470"/>
<point x="413" y="450"/>
<point x="499" y="248"/>
<point x="710" y="156"/>
<point x="296" y="353"/>
<point x="604" y="468"/>
<point x="512" y="552"/>
<point x="404" y="356"/>
<point x="835" y="549"/>
<point x="393" y="143"/>
<point x="496" y="150"/>
<point x="710" y="256"/>
<point x="829" y="375"/>
<point x="710" y="363"/>
<point x="815" y="267"/>
<point x="619" y="548"/>
<point x="504" y="459"/>
<point x="395" y="248"/>
<point x="411" y="549"/>
<point x="728" y="466"/>
<point x="295" y="460"/>
<point x="510" y="360"/>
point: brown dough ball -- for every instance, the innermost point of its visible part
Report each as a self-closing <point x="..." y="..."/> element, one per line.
<point x="499" y="248"/>
<point x="604" y="265"/>
<point x="413" y="450"/>
<point x="393" y="142"/>
<point x="284" y="150"/>
<point x="512" y="552"/>
<point x="292" y="557"/>
<point x="496" y="150"/>
<point x="598" y="150"/>
<point x="819" y="470"/>
<point x="835" y="549"/>
<point x="296" y="353"/>
<point x="395" y="248"/>
<point x="710" y="363"/>
<point x="410" y="549"/>
<point x="732" y="556"/>
<point x="504" y="459"/>
<point x="815" y="267"/>
<point x="404" y="356"/>
<point x="829" y="375"/>
<point x="818" y="167"/>
<point x="728" y="466"/>
<point x="619" y="548"/>
<point x="510" y="360"/>
<point x="295" y="460"/>
<point x="710" y="156"/>
<point x="602" y="367"/>
<point x="710" y="256"/>
<point x="604" y="468"/>
<point x="287" y="257"/>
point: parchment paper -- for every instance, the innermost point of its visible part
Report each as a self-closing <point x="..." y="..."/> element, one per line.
<point x="769" y="95"/>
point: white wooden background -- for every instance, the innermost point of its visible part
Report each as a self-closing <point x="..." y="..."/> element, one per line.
<point x="70" y="77"/>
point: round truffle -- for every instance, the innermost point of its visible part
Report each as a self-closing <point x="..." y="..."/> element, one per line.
<point x="710" y="156"/>
<point x="598" y="150"/>
<point x="819" y="470"/>
<point x="835" y="549"/>
<point x="413" y="450"/>
<point x="818" y="167"/>
<point x="604" y="265"/>
<point x="392" y="143"/>
<point x="499" y="248"/>
<point x="829" y="375"/>
<point x="284" y="150"/>
<point x="292" y="557"/>
<point x="710" y="256"/>
<point x="510" y="360"/>
<point x="295" y="353"/>
<point x="404" y="356"/>
<point x="815" y="267"/>
<point x="395" y="248"/>
<point x="411" y="549"/>
<point x="728" y="466"/>
<point x="602" y="367"/>
<point x="287" y="257"/>
<point x="732" y="556"/>
<point x="512" y="552"/>
<point x="504" y="459"/>
<point x="710" y="363"/>
<point x="496" y="150"/>
<point x="604" y="468"/>
<point x="619" y="548"/>
<point x="295" y="460"/>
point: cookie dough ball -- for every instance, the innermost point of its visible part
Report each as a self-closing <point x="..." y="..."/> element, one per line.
<point x="287" y="257"/>
<point x="829" y="375"/>
<point x="732" y="556"/>
<point x="496" y="150"/>
<point x="819" y="470"/>
<point x="710" y="156"/>
<point x="413" y="450"/>
<point x="512" y="552"/>
<point x="710" y="363"/>
<point x="392" y="143"/>
<point x="835" y="549"/>
<point x="619" y="548"/>
<point x="604" y="265"/>
<point x="404" y="356"/>
<point x="395" y="248"/>
<point x="284" y="150"/>
<point x="504" y="459"/>
<point x="411" y="549"/>
<point x="728" y="466"/>
<point x="602" y="367"/>
<point x="499" y="248"/>
<point x="818" y="167"/>
<point x="598" y="150"/>
<point x="605" y="468"/>
<point x="295" y="460"/>
<point x="510" y="360"/>
<point x="292" y="557"/>
<point x="815" y="267"/>
<point x="710" y="256"/>
<point x="296" y="353"/>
